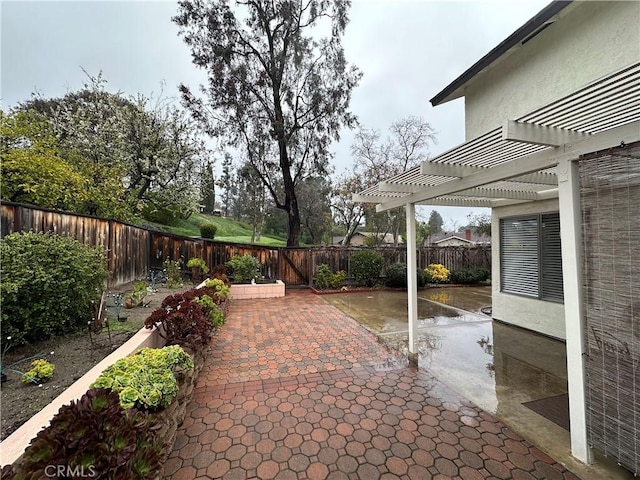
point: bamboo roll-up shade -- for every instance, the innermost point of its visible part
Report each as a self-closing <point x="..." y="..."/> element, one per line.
<point x="610" y="204"/>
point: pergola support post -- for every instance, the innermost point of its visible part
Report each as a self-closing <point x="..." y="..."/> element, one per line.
<point x="570" y="231"/>
<point x="412" y="281"/>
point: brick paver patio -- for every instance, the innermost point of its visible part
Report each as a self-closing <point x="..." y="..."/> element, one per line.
<point x="294" y="389"/>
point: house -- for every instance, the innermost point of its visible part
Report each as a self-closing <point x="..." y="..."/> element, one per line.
<point x="552" y="128"/>
<point x="359" y="239"/>
<point x="465" y="239"/>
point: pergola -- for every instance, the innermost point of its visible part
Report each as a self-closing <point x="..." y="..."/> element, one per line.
<point x="529" y="158"/>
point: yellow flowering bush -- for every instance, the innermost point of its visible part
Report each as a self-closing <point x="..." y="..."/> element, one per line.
<point x="437" y="273"/>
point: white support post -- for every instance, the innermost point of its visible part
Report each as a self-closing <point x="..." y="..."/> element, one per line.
<point x="570" y="231"/>
<point x="412" y="281"/>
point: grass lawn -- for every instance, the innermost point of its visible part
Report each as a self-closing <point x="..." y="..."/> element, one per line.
<point x="229" y="230"/>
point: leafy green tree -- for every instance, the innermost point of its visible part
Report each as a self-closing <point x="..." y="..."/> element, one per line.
<point x="481" y="223"/>
<point x="347" y="214"/>
<point x="227" y="183"/>
<point x="32" y="169"/>
<point x="140" y="155"/>
<point x="208" y="188"/>
<point x="251" y="200"/>
<point x="277" y="88"/>
<point x="315" y="210"/>
<point x="435" y="222"/>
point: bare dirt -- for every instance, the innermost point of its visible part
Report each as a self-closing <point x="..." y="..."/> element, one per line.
<point x="73" y="356"/>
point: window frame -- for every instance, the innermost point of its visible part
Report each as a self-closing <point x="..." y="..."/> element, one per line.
<point x="542" y="292"/>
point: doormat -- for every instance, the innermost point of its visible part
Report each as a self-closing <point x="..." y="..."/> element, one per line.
<point x="555" y="409"/>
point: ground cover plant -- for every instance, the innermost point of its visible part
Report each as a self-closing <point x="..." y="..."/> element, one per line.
<point x="41" y="371"/>
<point x="94" y="437"/>
<point x="48" y="285"/>
<point x="189" y="319"/>
<point x="146" y="380"/>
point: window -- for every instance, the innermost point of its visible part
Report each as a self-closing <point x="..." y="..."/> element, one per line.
<point x="531" y="256"/>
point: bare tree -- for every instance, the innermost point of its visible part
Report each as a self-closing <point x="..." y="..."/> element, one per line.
<point x="376" y="159"/>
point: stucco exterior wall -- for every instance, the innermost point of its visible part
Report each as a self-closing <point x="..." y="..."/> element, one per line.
<point x="540" y="316"/>
<point x="594" y="40"/>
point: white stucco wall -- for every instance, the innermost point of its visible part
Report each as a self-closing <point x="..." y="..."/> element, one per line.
<point x="593" y="40"/>
<point x="533" y="314"/>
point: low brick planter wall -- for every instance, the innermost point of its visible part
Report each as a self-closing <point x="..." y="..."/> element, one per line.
<point x="257" y="290"/>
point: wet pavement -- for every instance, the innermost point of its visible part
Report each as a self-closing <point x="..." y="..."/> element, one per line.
<point x="497" y="366"/>
<point x="294" y="388"/>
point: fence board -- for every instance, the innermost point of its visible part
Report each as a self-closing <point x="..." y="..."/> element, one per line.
<point x="133" y="251"/>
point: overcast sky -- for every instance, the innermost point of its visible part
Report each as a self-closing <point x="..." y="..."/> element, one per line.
<point x="407" y="50"/>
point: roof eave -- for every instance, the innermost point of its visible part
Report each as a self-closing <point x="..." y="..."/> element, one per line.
<point x="456" y="88"/>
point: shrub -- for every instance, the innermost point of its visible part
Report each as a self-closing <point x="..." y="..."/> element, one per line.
<point x="198" y="263"/>
<point x="366" y="267"/>
<point x="470" y="275"/>
<point x="397" y="276"/>
<point x="41" y="371"/>
<point x="325" y="278"/>
<point x="96" y="436"/>
<point x="423" y="278"/>
<point x="173" y="269"/>
<point x="48" y="285"/>
<point x="186" y="319"/>
<point x="338" y="278"/>
<point x="146" y="379"/>
<point x="245" y="268"/>
<point x="208" y="230"/>
<point x="436" y="273"/>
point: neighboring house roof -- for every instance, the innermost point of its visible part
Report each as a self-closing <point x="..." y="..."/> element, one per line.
<point x="453" y="237"/>
<point x="473" y="240"/>
<point x="527" y="31"/>
<point x="388" y="237"/>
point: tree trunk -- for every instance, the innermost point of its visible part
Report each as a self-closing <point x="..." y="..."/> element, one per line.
<point x="293" y="239"/>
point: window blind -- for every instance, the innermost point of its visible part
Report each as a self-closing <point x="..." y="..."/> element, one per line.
<point x="551" y="258"/>
<point x="519" y="254"/>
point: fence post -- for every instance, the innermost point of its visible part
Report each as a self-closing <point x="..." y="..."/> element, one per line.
<point x="110" y="252"/>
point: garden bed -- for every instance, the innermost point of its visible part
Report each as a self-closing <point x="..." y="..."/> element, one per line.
<point x="73" y="356"/>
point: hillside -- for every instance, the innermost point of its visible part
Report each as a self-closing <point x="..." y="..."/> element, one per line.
<point x="229" y="230"/>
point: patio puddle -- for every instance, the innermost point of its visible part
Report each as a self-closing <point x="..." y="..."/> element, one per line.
<point x="496" y="366"/>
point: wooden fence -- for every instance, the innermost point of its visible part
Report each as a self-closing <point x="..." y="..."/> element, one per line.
<point x="133" y="251"/>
